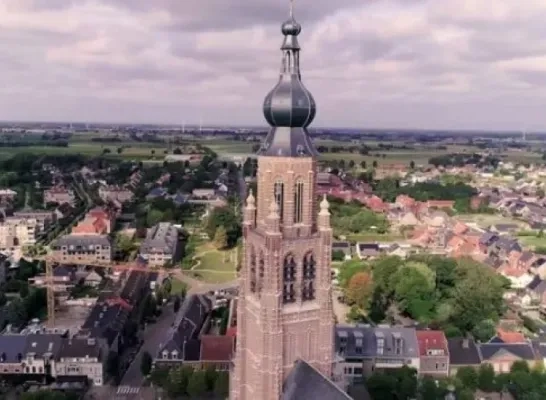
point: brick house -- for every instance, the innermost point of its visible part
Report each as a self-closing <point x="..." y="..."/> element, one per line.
<point x="433" y="353"/>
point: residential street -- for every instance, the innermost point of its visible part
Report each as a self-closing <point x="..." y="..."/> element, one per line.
<point x="153" y="337"/>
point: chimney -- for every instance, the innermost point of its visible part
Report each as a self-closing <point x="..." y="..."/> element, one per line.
<point x="465" y="343"/>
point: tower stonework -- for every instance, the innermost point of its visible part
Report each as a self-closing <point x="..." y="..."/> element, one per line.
<point x="285" y="306"/>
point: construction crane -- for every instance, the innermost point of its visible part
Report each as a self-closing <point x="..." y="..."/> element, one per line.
<point x="51" y="262"/>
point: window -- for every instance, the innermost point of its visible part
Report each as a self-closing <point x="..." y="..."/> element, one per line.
<point x="298" y="202"/>
<point x="309" y="273"/>
<point x="279" y="197"/>
<point x="289" y="279"/>
<point x="252" y="270"/>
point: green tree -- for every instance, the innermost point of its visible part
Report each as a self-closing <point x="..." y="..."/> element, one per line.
<point x="363" y="165"/>
<point x="338" y="255"/>
<point x="412" y="164"/>
<point x="374" y="163"/>
<point x="226" y="217"/>
<point x="146" y="363"/>
<point x="428" y="390"/>
<point x="382" y="386"/>
<point x="220" y="238"/>
<point x="178" y="380"/>
<point x="351" y="164"/>
<point x="348" y="269"/>
<point x="197" y="384"/>
<point x="211" y="375"/>
<point x="468" y="377"/>
<point x="154" y="217"/>
<point x="221" y="385"/>
<point x="414" y="294"/>
<point x="484" y="330"/>
<point x="486" y="378"/>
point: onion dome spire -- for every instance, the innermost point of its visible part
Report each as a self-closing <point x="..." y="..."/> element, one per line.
<point x="289" y="108"/>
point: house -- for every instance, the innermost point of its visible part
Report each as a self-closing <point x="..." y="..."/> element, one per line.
<point x="440" y="204"/>
<point x="519" y="278"/>
<point x="156" y="193"/>
<point x="203" y="193"/>
<point x="487" y="240"/>
<point x="93" y="279"/>
<point x="501" y="356"/>
<point x="161" y="244"/>
<point x="12" y="352"/>
<point x="504" y="228"/>
<point x="408" y="219"/>
<point x="182" y="344"/>
<point x="40" y="354"/>
<point x="504" y="246"/>
<point x="433" y="353"/>
<point x="83" y="248"/>
<point x="463" y="352"/>
<point x="43" y="218"/>
<point x="64" y="277"/>
<point x="106" y="321"/>
<point x="80" y="357"/>
<point x="364" y="349"/>
<point x="113" y="193"/>
<point x="7" y="195"/>
<point x="59" y="195"/>
<point x="404" y="201"/>
<point x="96" y="222"/>
<point x="367" y="250"/>
<point x="16" y="232"/>
<point x="344" y="247"/>
<point x="505" y="336"/>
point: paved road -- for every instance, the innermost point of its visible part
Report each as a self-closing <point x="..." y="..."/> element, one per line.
<point x="153" y="336"/>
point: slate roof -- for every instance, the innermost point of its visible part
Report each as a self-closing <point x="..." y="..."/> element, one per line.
<point x="132" y="289"/>
<point x="306" y="383"/>
<point x="508" y="244"/>
<point x="82" y="241"/>
<point x="526" y="256"/>
<point x="368" y="249"/>
<point x="42" y="344"/>
<point x="79" y="348"/>
<point x="463" y="352"/>
<point x="12" y="348"/>
<point x="488" y="238"/>
<point x="106" y="321"/>
<point x="521" y="350"/>
<point x="188" y="323"/>
<point x="346" y="341"/>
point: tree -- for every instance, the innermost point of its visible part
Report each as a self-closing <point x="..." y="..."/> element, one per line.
<point x="226" y="217"/>
<point x="412" y="164"/>
<point x="363" y="165"/>
<point x="146" y="363"/>
<point x="360" y="289"/>
<point x="351" y="164"/>
<point x="484" y="330"/>
<point x="176" y="304"/>
<point x="177" y="381"/>
<point x="120" y="150"/>
<point x="468" y="377"/>
<point x="428" y="390"/>
<point x="221" y="385"/>
<point x="220" y="238"/>
<point x="112" y="365"/>
<point x="197" y="384"/>
<point x="374" y="164"/>
<point x="211" y="375"/>
<point x="486" y="378"/>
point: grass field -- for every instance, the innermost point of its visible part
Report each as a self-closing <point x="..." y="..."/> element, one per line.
<point x="214" y="266"/>
<point x="532" y="241"/>
<point x="177" y="286"/>
<point x="485" y="220"/>
<point x="82" y="144"/>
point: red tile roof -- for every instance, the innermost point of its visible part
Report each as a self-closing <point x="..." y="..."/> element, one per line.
<point x="216" y="348"/>
<point x="431" y="340"/>
<point x="510" y="337"/>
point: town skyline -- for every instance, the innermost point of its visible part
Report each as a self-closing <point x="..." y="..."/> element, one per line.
<point x="405" y="65"/>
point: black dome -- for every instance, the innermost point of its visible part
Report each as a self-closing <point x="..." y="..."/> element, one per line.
<point x="289" y="104"/>
<point x="291" y="27"/>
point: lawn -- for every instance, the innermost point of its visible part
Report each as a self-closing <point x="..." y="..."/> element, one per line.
<point x="485" y="220"/>
<point x="214" y="266"/>
<point x="532" y="241"/>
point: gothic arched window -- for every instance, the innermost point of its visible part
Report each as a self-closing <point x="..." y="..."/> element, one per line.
<point x="252" y="271"/>
<point x="308" y="278"/>
<point x="261" y="272"/>
<point x="298" y="201"/>
<point x="289" y="279"/>
<point x="279" y="197"/>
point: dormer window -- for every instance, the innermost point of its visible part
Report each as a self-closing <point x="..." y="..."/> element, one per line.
<point x="165" y="354"/>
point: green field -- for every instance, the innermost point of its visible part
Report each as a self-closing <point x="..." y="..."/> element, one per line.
<point x="214" y="266"/>
<point x="177" y="286"/>
<point x="486" y="220"/>
<point x="82" y="144"/>
<point x="532" y="241"/>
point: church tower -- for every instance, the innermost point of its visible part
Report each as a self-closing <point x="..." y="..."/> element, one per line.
<point x="284" y="309"/>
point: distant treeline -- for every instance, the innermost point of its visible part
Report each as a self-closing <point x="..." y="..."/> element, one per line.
<point x="107" y="140"/>
<point x="55" y="143"/>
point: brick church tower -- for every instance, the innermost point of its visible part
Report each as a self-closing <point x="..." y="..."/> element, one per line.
<point x="285" y="305"/>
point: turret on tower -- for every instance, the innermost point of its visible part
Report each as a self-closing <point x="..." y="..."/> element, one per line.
<point x="289" y="108"/>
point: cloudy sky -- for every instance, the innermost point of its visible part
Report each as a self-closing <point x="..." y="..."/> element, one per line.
<point x="387" y="64"/>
